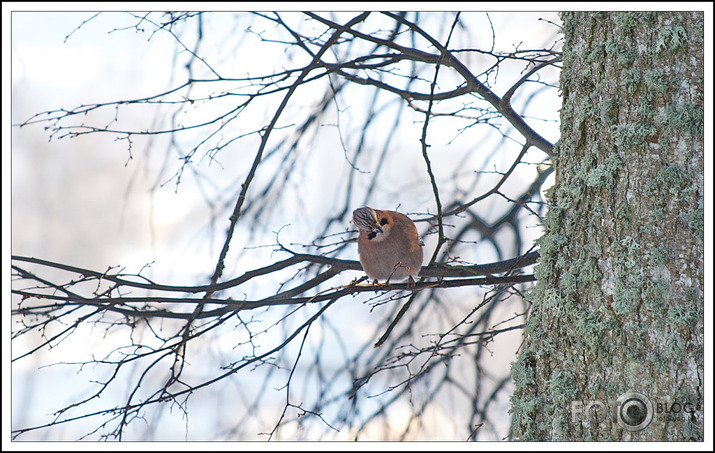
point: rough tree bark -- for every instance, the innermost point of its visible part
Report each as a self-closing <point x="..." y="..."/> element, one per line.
<point x="619" y="303"/>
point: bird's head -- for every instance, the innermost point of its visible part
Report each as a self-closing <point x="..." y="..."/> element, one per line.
<point x="370" y="221"/>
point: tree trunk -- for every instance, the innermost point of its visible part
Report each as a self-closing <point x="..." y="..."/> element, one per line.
<point x="614" y="343"/>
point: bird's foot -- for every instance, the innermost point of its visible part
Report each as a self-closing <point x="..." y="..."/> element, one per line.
<point x="376" y="285"/>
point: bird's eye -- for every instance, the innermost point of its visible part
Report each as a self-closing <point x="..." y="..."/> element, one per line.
<point x="383" y="221"/>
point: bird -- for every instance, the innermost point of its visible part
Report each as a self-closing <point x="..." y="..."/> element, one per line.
<point x="388" y="244"/>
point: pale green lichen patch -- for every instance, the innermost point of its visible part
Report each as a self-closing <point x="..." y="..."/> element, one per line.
<point x="671" y="38"/>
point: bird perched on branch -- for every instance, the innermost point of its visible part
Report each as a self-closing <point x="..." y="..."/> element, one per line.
<point x="389" y="245"/>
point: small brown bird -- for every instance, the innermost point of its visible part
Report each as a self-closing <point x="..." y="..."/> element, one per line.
<point x="389" y="245"/>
